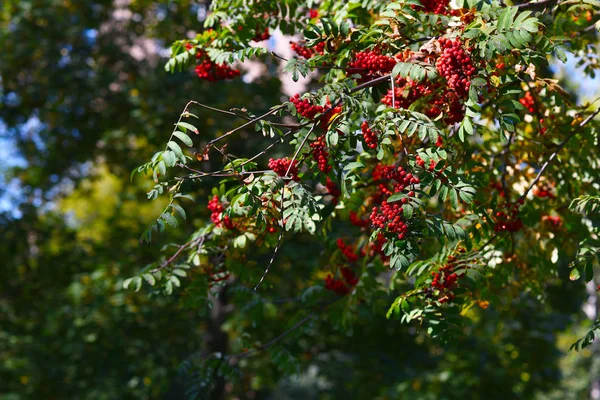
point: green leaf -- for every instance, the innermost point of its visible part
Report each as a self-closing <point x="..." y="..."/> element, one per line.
<point x="169" y="219"/>
<point x="161" y="168"/>
<point x="186" y="125"/>
<point x="184" y="138"/>
<point x="468" y="126"/>
<point x="480" y="82"/>
<point x="169" y="158"/>
<point x="176" y="149"/>
<point x="185" y="196"/>
<point x="396" y="197"/>
<point x="179" y="272"/>
<point x="175" y="280"/>
<point x="466" y="196"/>
<point x="560" y="54"/>
<point x="180" y="210"/>
<point x="150" y="279"/>
<point x="136" y="281"/>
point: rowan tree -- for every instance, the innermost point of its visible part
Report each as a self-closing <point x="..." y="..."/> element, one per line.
<point x="436" y="168"/>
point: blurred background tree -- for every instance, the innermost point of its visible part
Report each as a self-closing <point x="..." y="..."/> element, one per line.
<point x="84" y="99"/>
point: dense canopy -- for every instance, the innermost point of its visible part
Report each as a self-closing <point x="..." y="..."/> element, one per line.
<point x="333" y="199"/>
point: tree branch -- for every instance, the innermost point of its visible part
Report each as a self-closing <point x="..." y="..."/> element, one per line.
<point x="555" y="153"/>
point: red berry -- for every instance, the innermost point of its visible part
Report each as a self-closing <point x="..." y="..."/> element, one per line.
<point x="371" y="62"/>
<point x="434" y="6"/>
<point x="210" y="71"/>
<point x="368" y="135"/>
<point x="456" y="66"/>
<point x="281" y="165"/>
<point x="307" y="52"/>
<point x="320" y="154"/>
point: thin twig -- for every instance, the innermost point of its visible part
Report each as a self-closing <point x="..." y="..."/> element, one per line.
<point x="214" y="109"/>
<point x="393" y="92"/>
<point x="282" y="230"/>
<point x="266" y="149"/>
<point x="536" y="4"/>
<point x="185" y="111"/>
<point x="299" y="149"/>
<point x="370" y="83"/>
<point x="229" y="112"/>
<point x="252" y="121"/>
<point x="198" y="240"/>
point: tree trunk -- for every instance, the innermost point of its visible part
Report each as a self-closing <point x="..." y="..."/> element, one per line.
<point x="216" y="340"/>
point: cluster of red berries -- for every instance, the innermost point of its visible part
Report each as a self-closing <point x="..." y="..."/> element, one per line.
<point x="281" y="166"/>
<point x="398" y="174"/>
<point x="349" y="276"/>
<point x="434" y="6"/>
<point x="456" y="66"/>
<point x="508" y="221"/>
<point x="357" y="221"/>
<point x="320" y="155"/>
<point x="313" y="13"/>
<point x="381" y="174"/>
<point x="216" y="208"/>
<point x="305" y="108"/>
<point x="333" y="190"/>
<point x="330" y="113"/>
<point x="445" y="101"/>
<point x="371" y="62"/>
<point x="211" y="71"/>
<point x="448" y="104"/>
<point x="216" y="216"/>
<point x="260" y="36"/>
<point x="406" y="92"/>
<point x="309" y="111"/>
<point x="553" y="220"/>
<point x="369" y="136"/>
<point x="389" y="217"/>
<point x="341" y="286"/>
<point x="421" y="163"/>
<point x="348" y="252"/>
<point x="307" y="52"/>
<point x="544" y="190"/>
<point x="528" y="102"/>
<point x="445" y="280"/>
